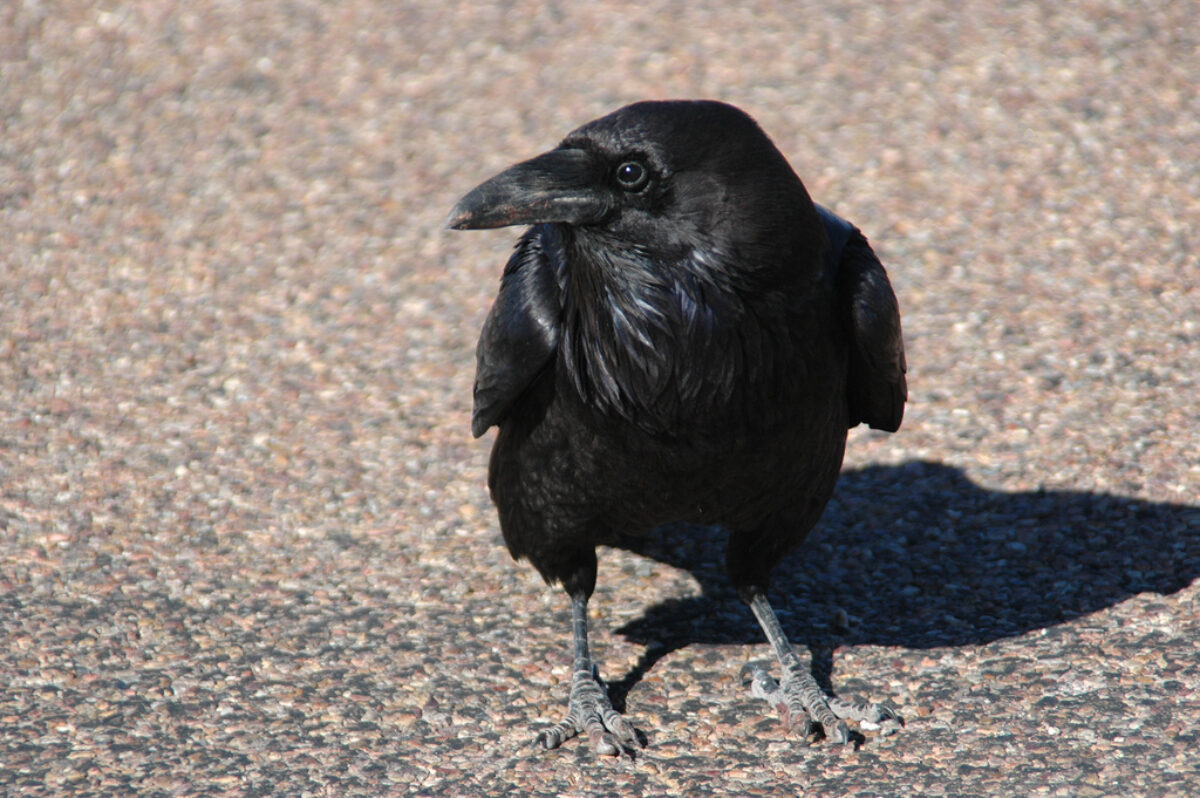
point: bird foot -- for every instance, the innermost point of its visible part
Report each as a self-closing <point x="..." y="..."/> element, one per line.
<point x="803" y="705"/>
<point x="590" y="711"/>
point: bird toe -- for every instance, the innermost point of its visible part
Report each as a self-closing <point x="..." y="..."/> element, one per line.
<point x="590" y="712"/>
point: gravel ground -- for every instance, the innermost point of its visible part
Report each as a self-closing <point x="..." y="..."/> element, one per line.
<point x="246" y="545"/>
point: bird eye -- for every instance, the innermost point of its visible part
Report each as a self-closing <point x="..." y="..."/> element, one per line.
<point x="631" y="175"/>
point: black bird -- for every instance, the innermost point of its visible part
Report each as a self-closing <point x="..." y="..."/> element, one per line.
<point x="680" y="336"/>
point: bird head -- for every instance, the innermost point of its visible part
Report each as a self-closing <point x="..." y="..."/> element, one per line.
<point x="665" y="177"/>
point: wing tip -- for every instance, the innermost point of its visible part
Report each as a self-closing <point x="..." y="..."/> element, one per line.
<point x="479" y="426"/>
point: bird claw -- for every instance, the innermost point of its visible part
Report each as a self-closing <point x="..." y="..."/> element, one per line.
<point x="590" y="711"/>
<point x="801" y="704"/>
<point x="866" y="714"/>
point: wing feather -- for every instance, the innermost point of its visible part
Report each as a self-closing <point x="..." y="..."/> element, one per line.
<point x="876" y="386"/>
<point x="521" y="334"/>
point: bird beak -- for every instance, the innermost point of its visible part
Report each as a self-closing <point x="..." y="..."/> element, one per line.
<point x="557" y="186"/>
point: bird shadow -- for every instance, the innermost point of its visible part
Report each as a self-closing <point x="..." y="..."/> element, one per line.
<point x="919" y="556"/>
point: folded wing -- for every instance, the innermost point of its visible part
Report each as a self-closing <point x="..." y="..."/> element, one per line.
<point x="521" y="333"/>
<point x="876" y="388"/>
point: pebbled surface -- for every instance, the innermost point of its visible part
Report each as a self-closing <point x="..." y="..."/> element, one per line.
<point x="245" y="547"/>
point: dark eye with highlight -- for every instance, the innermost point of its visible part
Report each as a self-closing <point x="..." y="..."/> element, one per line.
<point x="632" y="176"/>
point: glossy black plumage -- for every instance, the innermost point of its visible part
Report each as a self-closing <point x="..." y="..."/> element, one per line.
<point x="681" y="335"/>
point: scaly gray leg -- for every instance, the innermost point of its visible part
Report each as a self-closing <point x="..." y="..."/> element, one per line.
<point x="589" y="709"/>
<point x="799" y="698"/>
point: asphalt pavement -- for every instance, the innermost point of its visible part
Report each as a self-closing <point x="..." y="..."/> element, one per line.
<point x="246" y="548"/>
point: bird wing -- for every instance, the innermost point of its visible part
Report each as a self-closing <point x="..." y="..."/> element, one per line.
<point x="876" y="389"/>
<point x="521" y="333"/>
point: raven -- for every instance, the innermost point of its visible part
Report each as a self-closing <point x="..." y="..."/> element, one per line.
<point x="680" y="336"/>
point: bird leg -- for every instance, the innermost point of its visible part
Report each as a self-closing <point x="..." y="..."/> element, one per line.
<point x="799" y="698"/>
<point x="589" y="709"/>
